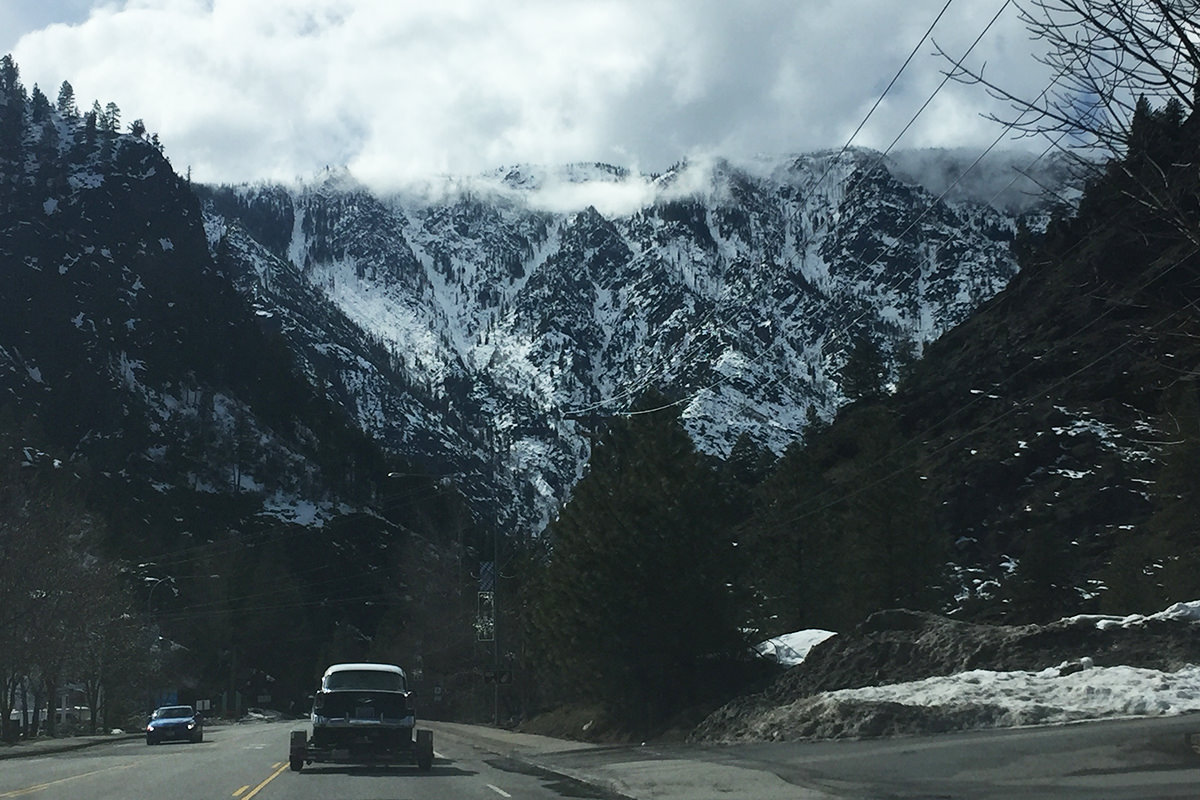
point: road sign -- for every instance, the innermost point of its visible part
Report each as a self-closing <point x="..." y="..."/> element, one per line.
<point x="501" y="676"/>
<point x="485" y="617"/>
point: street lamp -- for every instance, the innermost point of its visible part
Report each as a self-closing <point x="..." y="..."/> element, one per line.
<point x="487" y="612"/>
<point x="154" y="584"/>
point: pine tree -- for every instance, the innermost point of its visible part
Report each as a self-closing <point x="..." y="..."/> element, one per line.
<point x="1158" y="563"/>
<point x="639" y="604"/>
<point x="813" y="424"/>
<point x="47" y="136"/>
<point x="39" y="105"/>
<point x="66" y="106"/>
<point x="749" y="462"/>
<point x="10" y="80"/>
<point x="843" y="527"/>
<point x="12" y="107"/>
<point x="864" y="372"/>
<point x="791" y="547"/>
<point x="112" y="118"/>
<point x="89" y="128"/>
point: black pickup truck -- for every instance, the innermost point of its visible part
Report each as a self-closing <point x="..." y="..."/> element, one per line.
<point x="362" y="714"/>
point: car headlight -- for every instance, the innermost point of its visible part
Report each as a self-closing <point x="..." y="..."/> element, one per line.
<point x="191" y="725"/>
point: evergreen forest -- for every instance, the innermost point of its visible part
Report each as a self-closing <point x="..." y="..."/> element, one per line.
<point x="1040" y="460"/>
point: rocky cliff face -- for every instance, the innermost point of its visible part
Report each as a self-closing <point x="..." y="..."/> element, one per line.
<point x="483" y="326"/>
<point x="126" y="353"/>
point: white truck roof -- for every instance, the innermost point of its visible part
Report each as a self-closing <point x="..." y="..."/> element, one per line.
<point x="359" y="666"/>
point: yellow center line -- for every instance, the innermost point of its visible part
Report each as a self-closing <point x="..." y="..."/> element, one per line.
<point x="258" y="788"/>
<point x="42" y="786"/>
<point x="239" y="791"/>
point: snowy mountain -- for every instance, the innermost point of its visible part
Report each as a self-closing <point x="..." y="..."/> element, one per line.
<point x="125" y="352"/>
<point x="483" y="326"/>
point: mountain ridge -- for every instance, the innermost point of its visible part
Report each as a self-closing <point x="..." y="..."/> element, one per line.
<point x="722" y="279"/>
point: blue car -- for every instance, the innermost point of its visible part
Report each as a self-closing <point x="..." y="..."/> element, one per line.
<point x="174" y="722"/>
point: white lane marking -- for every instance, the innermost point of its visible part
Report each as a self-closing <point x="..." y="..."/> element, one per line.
<point x="499" y="791"/>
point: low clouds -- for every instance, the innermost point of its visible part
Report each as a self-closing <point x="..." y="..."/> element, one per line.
<point x="395" y="90"/>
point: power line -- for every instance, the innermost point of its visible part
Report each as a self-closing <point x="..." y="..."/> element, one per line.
<point x="891" y="83"/>
<point x="649" y="376"/>
<point x="844" y="328"/>
<point x="1061" y="343"/>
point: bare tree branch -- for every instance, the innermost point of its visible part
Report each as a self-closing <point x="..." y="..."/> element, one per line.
<point x="1104" y="54"/>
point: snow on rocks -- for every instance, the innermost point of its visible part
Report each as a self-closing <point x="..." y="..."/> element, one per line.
<point x="789" y="649"/>
<point x="905" y="672"/>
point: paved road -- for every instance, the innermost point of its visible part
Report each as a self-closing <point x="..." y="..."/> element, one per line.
<point x="1119" y="760"/>
<point x="1114" y="760"/>
<point x="249" y="762"/>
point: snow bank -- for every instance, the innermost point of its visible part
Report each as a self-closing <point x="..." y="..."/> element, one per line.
<point x="1048" y="696"/>
<point x="1179" y="612"/>
<point x="1152" y="669"/>
<point x="789" y="649"/>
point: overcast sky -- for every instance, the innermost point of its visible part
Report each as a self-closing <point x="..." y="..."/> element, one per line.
<point x="241" y="90"/>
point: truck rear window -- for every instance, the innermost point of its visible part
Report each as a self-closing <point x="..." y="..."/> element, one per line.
<point x="365" y="679"/>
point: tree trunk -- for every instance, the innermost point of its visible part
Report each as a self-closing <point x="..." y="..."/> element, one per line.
<point x="26" y="714"/>
<point x="35" y="722"/>
<point x="93" y="688"/>
<point x="51" y="707"/>
<point x="93" y="701"/>
<point x="8" y="731"/>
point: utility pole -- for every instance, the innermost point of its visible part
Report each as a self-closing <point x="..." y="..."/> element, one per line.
<point x="496" y="627"/>
<point x="154" y="584"/>
<point x="489" y="590"/>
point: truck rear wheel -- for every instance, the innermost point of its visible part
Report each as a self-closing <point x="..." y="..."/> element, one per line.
<point x="297" y="750"/>
<point x="424" y="750"/>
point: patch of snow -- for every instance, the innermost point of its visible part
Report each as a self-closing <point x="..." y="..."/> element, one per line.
<point x="1074" y="474"/>
<point x="1181" y="612"/>
<point x="85" y="180"/>
<point x="790" y="649"/>
<point x="1075" y="690"/>
<point x="1048" y="696"/>
<point x="298" y="511"/>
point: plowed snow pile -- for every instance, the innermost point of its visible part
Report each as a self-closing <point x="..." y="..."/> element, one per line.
<point x="906" y="672"/>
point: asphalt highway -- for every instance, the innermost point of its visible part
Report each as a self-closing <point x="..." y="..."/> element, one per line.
<point x="1115" y="760"/>
<point x="249" y="762"/>
<point x="1129" y="759"/>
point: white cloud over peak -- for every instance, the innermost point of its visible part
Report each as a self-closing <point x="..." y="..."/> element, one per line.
<point x="396" y="90"/>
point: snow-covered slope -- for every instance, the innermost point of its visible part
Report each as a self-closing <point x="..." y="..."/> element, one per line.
<point x="905" y="673"/>
<point x="517" y="309"/>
